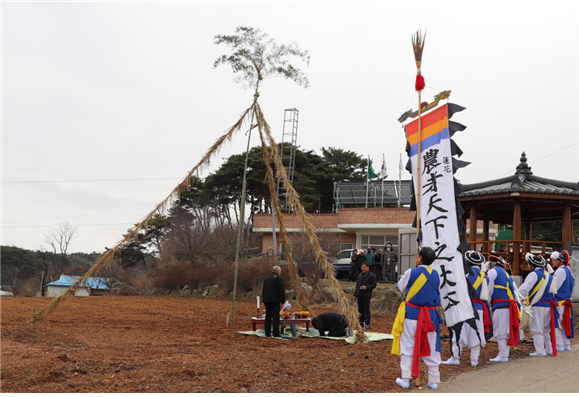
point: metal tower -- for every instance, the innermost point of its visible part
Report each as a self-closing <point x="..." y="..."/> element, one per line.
<point x="288" y="154"/>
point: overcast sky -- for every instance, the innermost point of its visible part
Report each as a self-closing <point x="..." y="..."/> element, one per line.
<point x="107" y="106"/>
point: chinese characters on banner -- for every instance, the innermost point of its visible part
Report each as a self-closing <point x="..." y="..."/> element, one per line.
<point x="438" y="219"/>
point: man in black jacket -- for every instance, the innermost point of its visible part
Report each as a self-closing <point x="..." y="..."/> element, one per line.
<point x="366" y="283"/>
<point x="273" y="295"/>
<point x="357" y="260"/>
<point x="333" y="323"/>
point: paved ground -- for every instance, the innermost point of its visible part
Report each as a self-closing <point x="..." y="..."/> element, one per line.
<point x="524" y="375"/>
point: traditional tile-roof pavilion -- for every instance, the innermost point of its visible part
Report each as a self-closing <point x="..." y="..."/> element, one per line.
<point x="520" y="198"/>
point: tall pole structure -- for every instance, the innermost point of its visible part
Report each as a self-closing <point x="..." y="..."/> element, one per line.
<point x="382" y="174"/>
<point x="399" y="180"/>
<point x="418" y="46"/>
<point x="289" y="139"/>
<point x="242" y="211"/>
<point x="367" y="179"/>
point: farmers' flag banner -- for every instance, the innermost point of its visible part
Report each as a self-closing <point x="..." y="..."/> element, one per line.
<point x="439" y="222"/>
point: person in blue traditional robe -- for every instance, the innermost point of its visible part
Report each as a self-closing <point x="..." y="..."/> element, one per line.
<point x="417" y="325"/>
<point x="565" y="285"/>
<point x="539" y="292"/>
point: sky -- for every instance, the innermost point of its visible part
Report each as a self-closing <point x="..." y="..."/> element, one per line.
<point x="106" y="106"/>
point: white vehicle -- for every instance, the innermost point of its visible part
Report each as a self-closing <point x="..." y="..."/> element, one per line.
<point x="342" y="263"/>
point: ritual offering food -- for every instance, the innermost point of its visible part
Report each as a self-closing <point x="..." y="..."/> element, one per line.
<point x="301" y="314"/>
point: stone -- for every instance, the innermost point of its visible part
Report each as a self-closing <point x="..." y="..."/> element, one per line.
<point x="386" y="301"/>
<point x="307" y="289"/>
<point x="328" y="294"/>
<point x="213" y="291"/>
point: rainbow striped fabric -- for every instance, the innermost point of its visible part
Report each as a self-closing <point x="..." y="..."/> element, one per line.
<point x="434" y="129"/>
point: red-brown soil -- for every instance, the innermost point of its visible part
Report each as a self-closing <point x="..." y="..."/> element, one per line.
<point x="170" y="344"/>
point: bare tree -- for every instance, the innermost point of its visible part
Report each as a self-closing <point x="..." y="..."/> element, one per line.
<point x="59" y="239"/>
<point x="305" y="254"/>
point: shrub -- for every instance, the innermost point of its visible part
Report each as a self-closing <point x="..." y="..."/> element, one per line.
<point x="175" y="274"/>
<point x="30" y="287"/>
<point x="251" y="274"/>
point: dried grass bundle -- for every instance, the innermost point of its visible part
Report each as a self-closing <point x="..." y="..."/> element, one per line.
<point x="418" y="46"/>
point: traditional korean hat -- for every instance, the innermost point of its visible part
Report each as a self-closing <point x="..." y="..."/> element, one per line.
<point x="474" y="257"/>
<point x="538" y="260"/>
<point x="562" y="256"/>
<point x="497" y="260"/>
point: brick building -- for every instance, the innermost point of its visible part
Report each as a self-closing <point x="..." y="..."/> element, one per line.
<point x="359" y="228"/>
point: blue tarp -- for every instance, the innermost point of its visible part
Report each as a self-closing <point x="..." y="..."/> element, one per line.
<point x="91" y="282"/>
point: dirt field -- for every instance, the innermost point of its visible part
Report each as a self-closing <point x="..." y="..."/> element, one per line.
<point x="169" y="344"/>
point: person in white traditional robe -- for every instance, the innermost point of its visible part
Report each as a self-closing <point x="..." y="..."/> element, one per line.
<point x="503" y="297"/>
<point x="565" y="285"/>
<point x="539" y="292"/>
<point x="467" y="335"/>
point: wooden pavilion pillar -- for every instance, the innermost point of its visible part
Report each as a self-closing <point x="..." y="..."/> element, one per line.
<point x="485" y="236"/>
<point x="517" y="236"/>
<point x="527" y="247"/>
<point x="472" y="226"/>
<point x="567" y="226"/>
<point x="464" y="217"/>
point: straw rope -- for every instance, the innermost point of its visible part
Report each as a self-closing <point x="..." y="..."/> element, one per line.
<point x="106" y="259"/>
<point x="343" y="301"/>
<point x="268" y="152"/>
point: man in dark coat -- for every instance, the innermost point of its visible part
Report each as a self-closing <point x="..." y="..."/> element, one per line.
<point x="333" y="323"/>
<point x="353" y="265"/>
<point x="273" y="296"/>
<point x="366" y="283"/>
<point x="358" y="259"/>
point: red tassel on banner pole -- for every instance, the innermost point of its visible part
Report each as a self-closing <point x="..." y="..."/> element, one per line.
<point x="419" y="83"/>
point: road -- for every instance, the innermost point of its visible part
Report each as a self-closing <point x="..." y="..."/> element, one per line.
<point x="525" y="375"/>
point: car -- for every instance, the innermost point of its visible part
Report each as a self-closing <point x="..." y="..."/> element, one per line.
<point x="280" y="256"/>
<point x="342" y="263"/>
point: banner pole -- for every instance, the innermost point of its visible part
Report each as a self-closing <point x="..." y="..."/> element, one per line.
<point x="418" y="47"/>
<point x="418" y="198"/>
<point x="382" y="204"/>
<point x="367" y="180"/>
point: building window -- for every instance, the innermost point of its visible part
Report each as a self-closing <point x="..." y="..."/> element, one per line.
<point x="378" y="242"/>
<point x="346" y="246"/>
